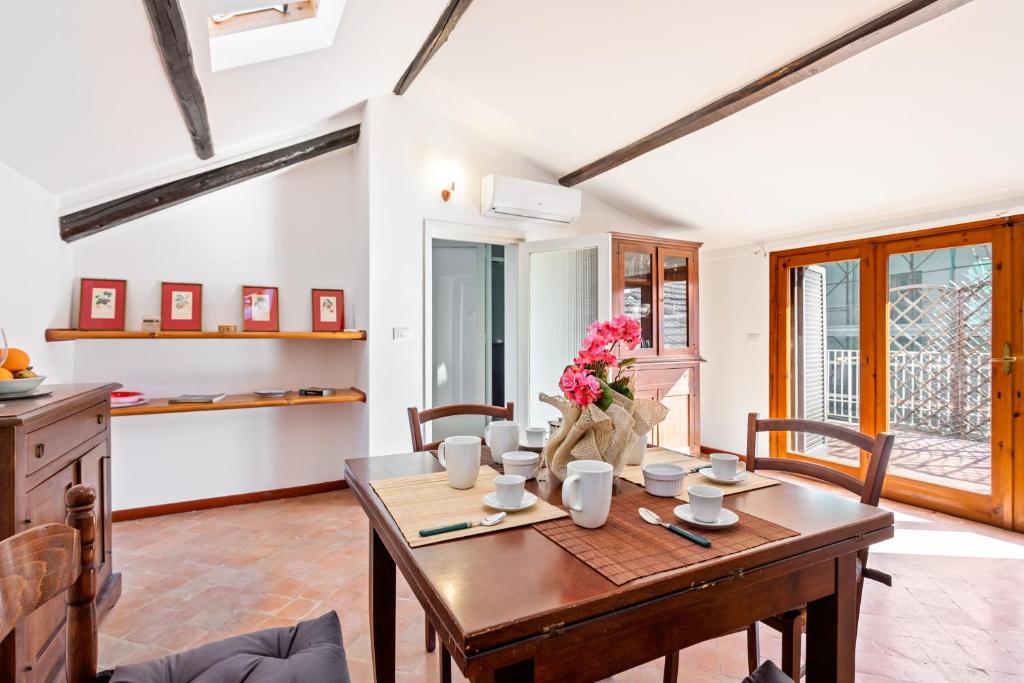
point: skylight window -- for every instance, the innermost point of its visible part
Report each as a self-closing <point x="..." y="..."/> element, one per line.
<point x="262" y="16"/>
<point x="244" y="33"/>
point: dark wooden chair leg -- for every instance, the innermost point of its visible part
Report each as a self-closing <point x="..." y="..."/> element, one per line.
<point x="446" y="665"/>
<point x="672" y="668"/>
<point x="430" y="637"/>
<point x="792" y="632"/>
<point x="753" y="648"/>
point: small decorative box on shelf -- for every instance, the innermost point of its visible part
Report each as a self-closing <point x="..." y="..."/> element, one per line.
<point x="57" y="335"/>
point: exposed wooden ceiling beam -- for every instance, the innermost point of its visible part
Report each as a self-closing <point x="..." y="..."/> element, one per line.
<point x="879" y="29"/>
<point x="438" y="36"/>
<point x="172" y="39"/>
<point x="75" y="226"/>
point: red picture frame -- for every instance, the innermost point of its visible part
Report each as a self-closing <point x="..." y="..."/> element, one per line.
<point x="328" y="310"/>
<point x="101" y="304"/>
<point x="181" y="306"/>
<point x="260" y="309"/>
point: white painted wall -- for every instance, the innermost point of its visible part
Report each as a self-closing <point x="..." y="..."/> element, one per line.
<point x="35" y="278"/>
<point x="407" y="145"/>
<point x="734" y="340"/>
<point x="297" y="229"/>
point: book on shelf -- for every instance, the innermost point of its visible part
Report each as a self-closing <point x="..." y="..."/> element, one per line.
<point x="198" y="398"/>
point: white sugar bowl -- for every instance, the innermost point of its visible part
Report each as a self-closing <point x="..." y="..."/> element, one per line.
<point x="664" y="479"/>
<point x="520" y="462"/>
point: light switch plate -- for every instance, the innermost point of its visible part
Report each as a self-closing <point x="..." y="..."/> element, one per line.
<point x="401" y="332"/>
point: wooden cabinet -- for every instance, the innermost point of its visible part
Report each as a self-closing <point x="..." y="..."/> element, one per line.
<point x="47" y="445"/>
<point x="656" y="282"/>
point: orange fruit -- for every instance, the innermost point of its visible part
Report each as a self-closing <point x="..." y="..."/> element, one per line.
<point x="17" y="360"/>
<point x="5" y="374"/>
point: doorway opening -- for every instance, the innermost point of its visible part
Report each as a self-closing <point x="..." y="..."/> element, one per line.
<point x="472" y="298"/>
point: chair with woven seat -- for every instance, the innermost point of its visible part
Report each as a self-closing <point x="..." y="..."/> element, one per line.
<point x="791" y="624"/>
<point x="41" y="563"/>
<point x="417" y="419"/>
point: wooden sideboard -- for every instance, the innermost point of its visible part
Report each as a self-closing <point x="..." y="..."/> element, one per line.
<point x="656" y="282"/>
<point x="47" y="445"/>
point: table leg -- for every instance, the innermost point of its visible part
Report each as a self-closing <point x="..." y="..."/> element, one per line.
<point x="382" y="610"/>
<point x="832" y="628"/>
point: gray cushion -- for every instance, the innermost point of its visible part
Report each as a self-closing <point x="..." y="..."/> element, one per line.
<point x="309" y="651"/>
<point x="768" y="673"/>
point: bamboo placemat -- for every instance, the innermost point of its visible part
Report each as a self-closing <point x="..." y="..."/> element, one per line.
<point x="424" y="501"/>
<point x="627" y="548"/>
<point x="635" y="473"/>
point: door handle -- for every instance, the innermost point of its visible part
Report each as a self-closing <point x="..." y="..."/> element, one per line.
<point x="1007" y="359"/>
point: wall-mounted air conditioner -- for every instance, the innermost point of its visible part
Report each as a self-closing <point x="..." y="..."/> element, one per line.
<point x="517" y="198"/>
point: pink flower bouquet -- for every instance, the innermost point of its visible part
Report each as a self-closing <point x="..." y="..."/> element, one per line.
<point x="588" y="379"/>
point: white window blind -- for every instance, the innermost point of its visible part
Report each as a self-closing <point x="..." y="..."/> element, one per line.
<point x="563" y="302"/>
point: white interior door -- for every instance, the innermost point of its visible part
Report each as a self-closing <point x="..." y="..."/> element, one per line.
<point x="564" y="286"/>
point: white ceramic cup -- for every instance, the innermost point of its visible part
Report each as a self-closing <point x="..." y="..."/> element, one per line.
<point x="509" y="488"/>
<point x="535" y="436"/>
<point x="460" y="456"/>
<point x="587" y="492"/>
<point x="501" y="437"/>
<point x="705" y="502"/>
<point x="521" y="462"/>
<point x="723" y="465"/>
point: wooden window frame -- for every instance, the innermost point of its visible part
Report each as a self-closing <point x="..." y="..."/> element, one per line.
<point x="1004" y="506"/>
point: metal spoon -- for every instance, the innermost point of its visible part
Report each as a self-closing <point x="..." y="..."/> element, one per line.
<point x="651" y="517"/>
<point x="489" y="520"/>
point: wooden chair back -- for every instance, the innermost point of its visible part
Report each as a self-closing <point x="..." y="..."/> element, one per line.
<point x="880" y="448"/>
<point x="417" y="418"/>
<point x="45" y="561"/>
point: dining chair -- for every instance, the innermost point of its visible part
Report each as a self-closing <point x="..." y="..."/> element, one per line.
<point x="792" y="623"/>
<point x="43" y="562"/>
<point x="417" y="419"/>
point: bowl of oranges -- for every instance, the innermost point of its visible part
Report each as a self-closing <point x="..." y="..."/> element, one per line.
<point x="16" y="375"/>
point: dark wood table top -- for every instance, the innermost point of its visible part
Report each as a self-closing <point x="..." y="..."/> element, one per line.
<point x="508" y="585"/>
<point x="19" y="411"/>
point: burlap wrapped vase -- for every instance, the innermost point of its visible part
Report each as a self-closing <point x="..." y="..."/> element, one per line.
<point x="589" y="433"/>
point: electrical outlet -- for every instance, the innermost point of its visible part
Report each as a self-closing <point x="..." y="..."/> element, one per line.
<point x="401" y="333"/>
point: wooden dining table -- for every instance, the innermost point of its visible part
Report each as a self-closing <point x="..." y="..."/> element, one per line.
<point x="514" y="606"/>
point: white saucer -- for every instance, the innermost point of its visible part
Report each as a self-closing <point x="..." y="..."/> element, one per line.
<point x="528" y="501"/>
<point x="726" y="518"/>
<point x="738" y="479"/>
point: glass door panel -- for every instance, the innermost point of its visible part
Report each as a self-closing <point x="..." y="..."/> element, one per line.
<point x="638" y="289"/>
<point x="824" y="355"/>
<point x="939" y="401"/>
<point x="675" y="292"/>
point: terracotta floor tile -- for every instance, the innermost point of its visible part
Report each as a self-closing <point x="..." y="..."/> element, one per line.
<point x="197" y="577"/>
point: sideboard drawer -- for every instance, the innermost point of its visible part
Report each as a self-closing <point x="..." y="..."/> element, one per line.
<point x="54" y="440"/>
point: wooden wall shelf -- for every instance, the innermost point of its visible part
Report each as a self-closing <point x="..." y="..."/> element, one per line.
<point x="58" y="335"/>
<point x="159" y="406"/>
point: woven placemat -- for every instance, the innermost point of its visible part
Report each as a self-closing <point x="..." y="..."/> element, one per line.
<point x="635" y="473"/>
<point x="425" y="501"/>
<point x="627" y="548"/>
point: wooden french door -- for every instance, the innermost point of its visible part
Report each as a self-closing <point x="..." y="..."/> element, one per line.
<point x="917" y="334"/>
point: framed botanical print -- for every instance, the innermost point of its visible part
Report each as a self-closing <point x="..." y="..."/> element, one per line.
<point x="328" y="310"/>
<point x="102" y="304"/>
<point x="260" y="309"/>
<point x="181" y="306"/>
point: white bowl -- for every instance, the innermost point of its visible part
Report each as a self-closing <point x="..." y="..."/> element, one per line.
<point x="664" y="479"/>
<point x="520" y="462"/>
<point x="12" y="387"/>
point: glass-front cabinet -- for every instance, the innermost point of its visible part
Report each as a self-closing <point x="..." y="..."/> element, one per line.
<point x="655" y="282"/>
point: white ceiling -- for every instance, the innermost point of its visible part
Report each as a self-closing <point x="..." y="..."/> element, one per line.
<point x="88" y="111"/>
<point x="930" y="119"/>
